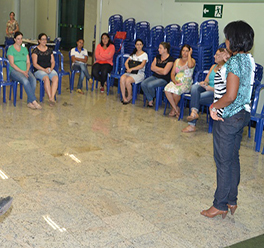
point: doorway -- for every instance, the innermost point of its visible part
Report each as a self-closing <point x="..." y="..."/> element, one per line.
<point x="71" y="22"/>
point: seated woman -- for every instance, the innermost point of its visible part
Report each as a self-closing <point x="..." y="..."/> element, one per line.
<point x="19" y="69"/>
<point x="203" y="92"/>
<point x="103" y="65"/>
<point x="44" y="63"/>
<point x="79" y="57"/>
<point x="135" y="71"/>
<point x="161" y="67"/>
<point x="11" y="28"/>
<point x="181" y="76"/>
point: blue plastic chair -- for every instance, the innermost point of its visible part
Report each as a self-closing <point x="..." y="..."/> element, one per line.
<point x="257" y="117"/>
<point x="118" y="72"/>
<point x="190" y="34"/>
<point x="7" y="82"/>
<point x="115" y="23"/>
<point x="156" y="36"/>
<point x="173" y="35"/>
<point x="129" y="26"/>
<point x="57" y="42"/>
<point x="73" y="72"/>
<point x="143" y="32"/>
<point x="59" y="68"/>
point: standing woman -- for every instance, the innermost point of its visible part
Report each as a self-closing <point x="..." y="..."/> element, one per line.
<point x="134" y="73"/>
<point x="44" y="63"/>
<point x="181" y="79"/>
<point x="161" y="67"/>
<point x="103" y="65"/>
<point x="231" y="112"/>
<point x="19" y="69"/>
<point x="11" y="28"/>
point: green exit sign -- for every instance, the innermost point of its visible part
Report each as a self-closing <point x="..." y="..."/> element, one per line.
<point x="211" y="10"/>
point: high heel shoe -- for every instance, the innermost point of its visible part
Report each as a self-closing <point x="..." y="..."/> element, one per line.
<point x="212" y="212"/>
<point x="232" y="208"/>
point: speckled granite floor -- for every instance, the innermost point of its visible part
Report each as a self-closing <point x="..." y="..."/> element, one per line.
<point x="91" y="172"/>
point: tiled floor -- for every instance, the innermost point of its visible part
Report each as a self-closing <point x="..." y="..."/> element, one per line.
<point x="91" y="172"/>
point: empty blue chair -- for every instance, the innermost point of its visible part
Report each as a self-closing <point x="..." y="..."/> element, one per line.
<point x="7" y="82"/>
<point x="59" y="68"/>
<point x="57" y="42"/>
<point x="118" y="72"/>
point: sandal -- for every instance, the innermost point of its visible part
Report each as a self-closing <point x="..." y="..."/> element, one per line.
<point x="80" y="91"/>
<point x="193" y="116"/>
<point x="189" y="129"/>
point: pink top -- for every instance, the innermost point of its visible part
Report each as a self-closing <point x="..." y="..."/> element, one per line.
<point x="104" y="56"/>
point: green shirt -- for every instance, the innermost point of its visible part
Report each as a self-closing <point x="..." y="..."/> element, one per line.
<point x="20" y="58"/>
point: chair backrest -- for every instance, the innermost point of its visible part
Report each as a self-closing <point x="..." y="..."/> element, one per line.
<point x="70" y="60"/>
<point x="58" y="57"/>
<point x="190" y="34"/>
<point x="120" y="63"/>
<point x="156" y="36"/>
<point x="4" y="63"/>
<point x="57" y="42"/>
<point x="173" y="34"/>
<point x="115" y="23"/>
<point x="256" y="98"/>
<point x="129" y="26"/>
<point x="3" y="52"/>
<point x="143" y="32"/>
<point x="258" y="72"/>
<point x="6" y="48"/>
<point x="222" y="45"/>
<point x="200" y="76"/>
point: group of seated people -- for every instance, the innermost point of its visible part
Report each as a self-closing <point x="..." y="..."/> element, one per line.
<point x="175" y="76"/>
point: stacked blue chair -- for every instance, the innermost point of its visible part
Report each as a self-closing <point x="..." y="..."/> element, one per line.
<point x="129" y="26"/>
<point x="173" y="35"/>
<point x="143" y="32"/>
<point x="115" y="23"/>
<point x="190" y="36"/>
<point x="209" y="34"/>
<point x="57" y="42"/>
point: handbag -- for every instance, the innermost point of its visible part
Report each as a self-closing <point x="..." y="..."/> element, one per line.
<point x="120" y="35"/>
<point x="132" y="64"/>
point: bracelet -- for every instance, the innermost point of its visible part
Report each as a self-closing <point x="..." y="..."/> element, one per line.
<point x="213" y="109"/>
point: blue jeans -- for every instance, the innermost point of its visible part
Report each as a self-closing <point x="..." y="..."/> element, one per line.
<point x="28" y="83"/>
<point x="199" y="96"/>
<point x="150" y="84"/>
<point x="227" y="137"/>
<point x="83" y="72"/>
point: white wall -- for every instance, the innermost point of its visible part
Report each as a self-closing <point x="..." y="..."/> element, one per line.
<point x="6" y="6"/>
<point x="90" y="13"/>
<point x="27" y="18"/>
<point x="46" y="17"/>
<point x="166" y="12"/>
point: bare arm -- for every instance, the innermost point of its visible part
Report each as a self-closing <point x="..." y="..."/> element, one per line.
<point x="173" y="73"/>
<point x="159" y="70"/>
<point x="74" y="59"/>
<point x="191" y="61"/>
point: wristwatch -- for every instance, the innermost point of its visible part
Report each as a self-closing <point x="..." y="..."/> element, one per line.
<point x="213" y="109"/>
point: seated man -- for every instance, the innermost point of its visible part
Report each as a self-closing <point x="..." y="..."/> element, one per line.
<point x="5" y="204"/>
<point x="79" y="57"/>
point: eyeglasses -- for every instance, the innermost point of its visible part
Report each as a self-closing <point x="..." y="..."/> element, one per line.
<point x="43" y="39"/>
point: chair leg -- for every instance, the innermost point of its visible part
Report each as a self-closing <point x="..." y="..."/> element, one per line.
<point x="14" y="94"/>
<point x="21" y="91"/>
<point x="4" y="94"/>
<point x="211" y="122"/>
<point x="259" y="131"/>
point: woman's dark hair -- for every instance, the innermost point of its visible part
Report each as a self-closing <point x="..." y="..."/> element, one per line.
<point x="40" y="35"/>
<point x="80" y="39"/>
<point x="185" y="45"/>
<point x="240" y="36"/>
<point x="17" y="33"/>
<point x="11" y="13"/>
<point x="109" y="41"/>
<point x="166" y="45"/>
<point x="135" y="49"/>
